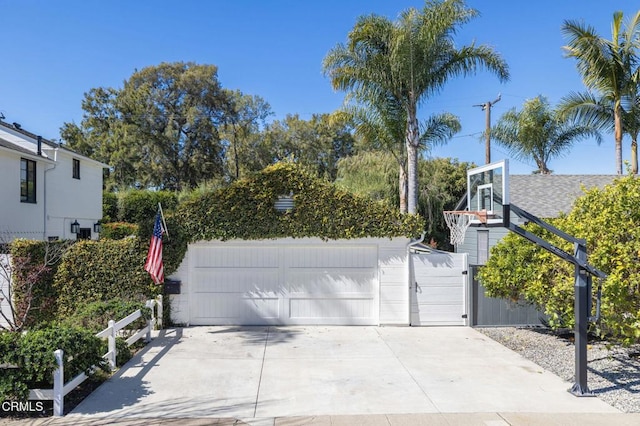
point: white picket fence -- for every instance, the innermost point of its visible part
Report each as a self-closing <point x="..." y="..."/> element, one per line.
<point x="61" y="389"/>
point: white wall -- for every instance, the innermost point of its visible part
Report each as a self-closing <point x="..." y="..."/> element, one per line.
<point x="17" y="219"/>
<point x="70" y="199"/>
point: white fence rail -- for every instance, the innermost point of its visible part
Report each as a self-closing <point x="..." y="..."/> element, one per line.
<point x="61" y="389"/>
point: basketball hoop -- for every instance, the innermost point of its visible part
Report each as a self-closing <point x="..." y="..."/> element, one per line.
<point x="459" y="220"/>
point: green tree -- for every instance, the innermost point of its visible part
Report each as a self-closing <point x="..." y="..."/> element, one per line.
<point x="245" y="119"/>
<point x="316" y="144"/>
<point x="608" y="67"/>
<point x="407" y="61"/>
<point x="599" y="113"/>
<point x="381" y="127"/>
<point x="371" y="174"/>
<point x="161" y="130"/>
<point x="443" y="182"/>
<point x="538" y="132"/>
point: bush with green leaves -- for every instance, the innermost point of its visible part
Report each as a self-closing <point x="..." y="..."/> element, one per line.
<point x="246" y="210"/>
<point x="109" y="206"/>
<point x="30" y="356"/>
<point x="93" y="271"/>
<point x="118" y="230"/>
<point x="33" y="266"/>
<point x="94" y="316"/>
<point x="135" y="205"/>
<point x="609" y="220"/>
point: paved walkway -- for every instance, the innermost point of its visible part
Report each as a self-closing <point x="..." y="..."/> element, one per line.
<point x="327" y="375"/>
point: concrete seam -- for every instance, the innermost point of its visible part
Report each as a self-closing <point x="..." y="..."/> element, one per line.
<point x="503" y="419"/>
<point x="264" y="355"/>
<point x="406" y="369"/>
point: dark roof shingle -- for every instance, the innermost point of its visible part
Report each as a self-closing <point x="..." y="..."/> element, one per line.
<point x="547" y="196"/>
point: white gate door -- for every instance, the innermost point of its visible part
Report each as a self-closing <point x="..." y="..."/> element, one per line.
<point x="439" y="289"/>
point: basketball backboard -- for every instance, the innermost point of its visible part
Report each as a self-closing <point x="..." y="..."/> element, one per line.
<point x="488" y="189"/>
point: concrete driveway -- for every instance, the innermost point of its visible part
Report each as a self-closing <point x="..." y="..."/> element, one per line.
<point x="254" y="373"/>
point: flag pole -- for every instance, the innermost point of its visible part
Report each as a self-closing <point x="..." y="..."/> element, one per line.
<point x="164" y="223"/>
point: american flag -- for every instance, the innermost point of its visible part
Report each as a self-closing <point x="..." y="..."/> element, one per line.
<point x="154" y="265"/>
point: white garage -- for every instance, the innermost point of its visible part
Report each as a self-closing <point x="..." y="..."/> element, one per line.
<point x="294" y="282"/>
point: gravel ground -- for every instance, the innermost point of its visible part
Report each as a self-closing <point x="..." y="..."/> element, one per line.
<point x="613" y="373"/>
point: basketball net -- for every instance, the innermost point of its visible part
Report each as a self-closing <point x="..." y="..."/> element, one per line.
<point x="459" y="220"/>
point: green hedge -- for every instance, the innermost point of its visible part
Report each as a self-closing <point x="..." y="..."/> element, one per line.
<point x="101" y="271"/>
<point x="118" y="230"/>
<point x="136" y="206"/>
<point x="30" y="356"/>
<point x="245" y="210"/>
<point x="32" y="276"/>
<point x="94" y="316"/>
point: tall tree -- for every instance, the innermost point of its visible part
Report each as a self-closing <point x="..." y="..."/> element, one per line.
<point x="408" y="61"/>
<point x="160" y="130"/>
<point x="381" y="126"/>
<point x="317" y="143"/>
<point x="608" y="67"/>
<point x="245" y="119"/>
<point x="599" y="113"/>
<point x="538" y="132"/>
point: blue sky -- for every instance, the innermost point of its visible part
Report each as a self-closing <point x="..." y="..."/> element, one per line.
<point x="55" y="51"/>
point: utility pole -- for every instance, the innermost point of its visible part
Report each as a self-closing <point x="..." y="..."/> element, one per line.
<point x="487" y="108"/>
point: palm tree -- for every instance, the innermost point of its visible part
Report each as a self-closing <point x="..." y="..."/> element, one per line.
<point x="383" y="129"/>
<point x="537" y="132"/>
<point x="599" y="113"/>
<point x="608" y="67"/>
<point x="406" y="62"/>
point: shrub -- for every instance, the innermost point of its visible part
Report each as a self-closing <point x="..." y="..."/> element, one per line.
<point x="101" y="271"/>
<point x="118" y="230"/>
<point x="32" y="354"/>
<point x="12" y="384"/>
<point x="95" y="316"/>
<point x="34" y="264"/>
<point x="109" y="206"/>
<point x="609" y="220"/>
<point x="135" y="206"/>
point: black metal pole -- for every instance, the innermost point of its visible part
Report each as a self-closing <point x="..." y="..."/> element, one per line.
<point x="581" y="310"/>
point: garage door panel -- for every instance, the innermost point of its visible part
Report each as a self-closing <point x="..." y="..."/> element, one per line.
<point x="237" y="306"/>
<point x="319" y="309"/>
<point x="235" y="280"/>
<point x="336" y="257"/>
<point x="334" y="281"/>
<point x="235" y="257"/>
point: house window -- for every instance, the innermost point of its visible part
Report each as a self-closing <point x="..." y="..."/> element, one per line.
<point x="76" y="169"/>
<point x="483" y="246"/>
<point x="27" y="181"/>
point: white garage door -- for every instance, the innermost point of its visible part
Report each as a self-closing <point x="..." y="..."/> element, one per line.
<point x="439" y="289"/>
<point x="248" y="283"/>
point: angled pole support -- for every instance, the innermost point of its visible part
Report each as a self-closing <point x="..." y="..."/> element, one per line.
<point x="582" y="289"/>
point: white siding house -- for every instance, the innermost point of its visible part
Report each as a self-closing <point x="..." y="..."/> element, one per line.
<point x="45" y="188"/>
